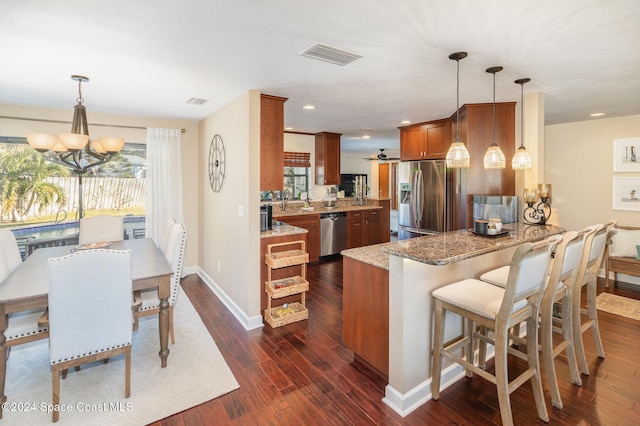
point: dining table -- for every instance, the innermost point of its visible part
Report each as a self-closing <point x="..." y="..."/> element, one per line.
<point x="27" y="287"/>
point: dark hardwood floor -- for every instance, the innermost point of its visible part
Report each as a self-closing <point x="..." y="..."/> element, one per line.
<point x="301" y="373"/>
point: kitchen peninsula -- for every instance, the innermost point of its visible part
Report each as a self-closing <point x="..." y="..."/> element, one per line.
<point x="387" y="316"/>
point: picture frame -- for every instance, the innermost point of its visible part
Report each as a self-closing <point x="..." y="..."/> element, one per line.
<point x="626" y="193"/>
<point x="626" y="155"/>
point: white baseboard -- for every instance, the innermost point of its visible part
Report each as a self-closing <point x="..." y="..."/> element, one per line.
<point x="404" y="404"/>
<point x="249" y="323"/>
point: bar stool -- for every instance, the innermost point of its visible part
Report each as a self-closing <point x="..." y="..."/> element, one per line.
<point x="564" y="272"/>
<point x="590" y="263"/>
<point x="497" y="309"/>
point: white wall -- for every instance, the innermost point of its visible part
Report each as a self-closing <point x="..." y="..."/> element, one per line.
<point x="19" y="128"/>
<point x="229" y="250"/>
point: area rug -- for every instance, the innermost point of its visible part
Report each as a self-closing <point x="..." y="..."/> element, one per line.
<point x="619" y="305"/>
<point x="196" y="373"/>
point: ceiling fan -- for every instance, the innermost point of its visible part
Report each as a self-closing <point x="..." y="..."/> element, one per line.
<point x="382" y="157"/>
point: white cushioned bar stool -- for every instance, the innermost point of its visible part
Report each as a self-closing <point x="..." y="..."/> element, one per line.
<point x="564" y="271"/>
<point x="499" y="309"/>
<point x="590" y="263"/>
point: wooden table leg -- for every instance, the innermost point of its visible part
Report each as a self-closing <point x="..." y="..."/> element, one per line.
<point x="164" y="289"/>
<point x="3" y="355"/>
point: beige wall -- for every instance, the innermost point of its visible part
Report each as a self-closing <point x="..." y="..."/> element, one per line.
<point x="578" y="160"/>
<point x="229" y="249"/>
<point x="19" y="128"/>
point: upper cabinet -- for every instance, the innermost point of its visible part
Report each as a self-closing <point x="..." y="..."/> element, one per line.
<point x="424" y="140"/>
<point x="327" y="158"/>
<point x="271" y="142"/>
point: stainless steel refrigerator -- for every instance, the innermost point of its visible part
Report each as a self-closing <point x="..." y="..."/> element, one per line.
<point x="422" y="195"/>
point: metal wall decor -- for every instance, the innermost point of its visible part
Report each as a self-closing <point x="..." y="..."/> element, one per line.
<point x="216" y="163"/>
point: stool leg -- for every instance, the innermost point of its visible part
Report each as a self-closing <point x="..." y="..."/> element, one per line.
<point x="502" y="375"/>
<point x="534" y="362"/>
<point x="593" y="315"/>
<point x="546" y="342"/>
<point x="567" y="333"/>
<point x="576" y="327"/>
<point x="467" y="351"/>
<point x="482" y="349"/>
<point x="438" y="345"/>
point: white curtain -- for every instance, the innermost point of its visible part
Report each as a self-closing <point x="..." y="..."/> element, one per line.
<point x="164" y="179"/>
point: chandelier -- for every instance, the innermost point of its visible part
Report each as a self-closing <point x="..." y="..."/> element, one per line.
<point x="73" y="149"/>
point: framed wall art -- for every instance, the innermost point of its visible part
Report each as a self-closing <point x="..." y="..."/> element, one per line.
<point x="626" y="155"/>
<point x="626" y="193"/>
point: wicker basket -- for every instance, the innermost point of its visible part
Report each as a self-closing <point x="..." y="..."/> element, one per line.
<point x="298" y="313"/>
<point x="282" y="259"/>
<point x="286" y="286"/>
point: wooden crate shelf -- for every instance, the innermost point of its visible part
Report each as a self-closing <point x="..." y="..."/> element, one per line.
<point x="295" y="255"/>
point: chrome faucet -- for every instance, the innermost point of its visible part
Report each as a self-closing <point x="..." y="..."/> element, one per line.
<point x="286" y="194"/>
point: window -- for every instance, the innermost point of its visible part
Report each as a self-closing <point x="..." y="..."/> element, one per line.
<point x="296" y="173"/>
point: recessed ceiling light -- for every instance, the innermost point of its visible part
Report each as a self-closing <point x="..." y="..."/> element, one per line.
<point x="366" y="137"/>
<point x="596" y="114"/>
<point x="405" y="122"/>
<point x="308" y="107"/>
<point x="288" y="128"/>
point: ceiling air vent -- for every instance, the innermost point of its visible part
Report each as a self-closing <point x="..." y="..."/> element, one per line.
<point x="196" y="101"/>
<point x="335" y="55"/>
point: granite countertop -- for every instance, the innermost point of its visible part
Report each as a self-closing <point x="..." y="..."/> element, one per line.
<point x="294" y="208"/>
<point x="450" y="247"/>
<point x="281" y="229"/>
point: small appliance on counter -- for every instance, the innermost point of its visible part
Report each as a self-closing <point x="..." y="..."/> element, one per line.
<point x="266" y="217"/>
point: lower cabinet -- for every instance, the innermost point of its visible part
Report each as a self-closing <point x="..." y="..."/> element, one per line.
<point x="355" y="229"/>
<point x="310" y="222"/>
<point x="365" y="292"/>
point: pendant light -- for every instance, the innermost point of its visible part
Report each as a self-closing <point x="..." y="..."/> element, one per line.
<point x="522" y="160"/>
<point x="494" y="157"/>
<point x="457" y="155"/>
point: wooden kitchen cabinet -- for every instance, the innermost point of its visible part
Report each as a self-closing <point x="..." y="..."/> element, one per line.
<point x="271" y="142"/>
<point x="327" y="165"/>
<point x="310" y="222"/>
<point x="355" y="229"/>
<point x="365" y="324"/>
<point x="424" y="141"/>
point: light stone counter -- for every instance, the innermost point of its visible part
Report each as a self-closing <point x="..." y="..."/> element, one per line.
<point x="450" y="247"/>
<point x="281" y="229"/>
<point x="294" y="208"/>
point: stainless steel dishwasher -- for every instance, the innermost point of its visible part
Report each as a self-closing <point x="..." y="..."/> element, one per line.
<point x="333" y="233"/>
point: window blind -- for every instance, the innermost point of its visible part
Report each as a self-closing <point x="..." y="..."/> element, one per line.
<point x="297" y="159"/>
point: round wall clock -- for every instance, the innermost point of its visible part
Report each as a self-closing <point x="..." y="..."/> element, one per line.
<point x="216" y="163"/>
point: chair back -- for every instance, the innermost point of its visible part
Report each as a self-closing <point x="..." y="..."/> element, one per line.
<point x="90" y="297"/>
<point x="528" y="275"/>
<point x="101" y="228"/>
<point x="164" y="233"/>
<point x="594" y="250"/>
<point x="9" y="252"/>
<point x="174" y="253"/>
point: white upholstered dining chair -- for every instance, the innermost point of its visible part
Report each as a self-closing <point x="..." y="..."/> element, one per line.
<point x="499" y="309"/>
<point x="148" y="299"/>
<point x="89" y="320"/>
<point x="22" y="327"/>
<point x="101" y="228"/>
<point x="164" y="233"/>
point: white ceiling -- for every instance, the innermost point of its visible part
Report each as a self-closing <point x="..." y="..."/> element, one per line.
<point x="146" y="58"/>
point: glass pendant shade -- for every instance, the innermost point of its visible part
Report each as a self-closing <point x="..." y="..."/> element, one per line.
<point x="97" y="147"/>
<point x="73" y="141"/>
<point x="58" y="147"/>
<point x="111" y="145"/>
<point x="522" y="160"/>
<point x="41" y="142"/>
<point x="494" y="158"/>
<point x="457" y="156"/>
